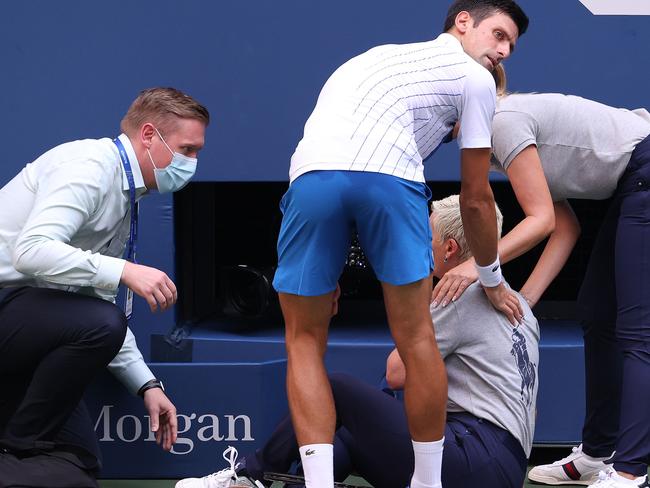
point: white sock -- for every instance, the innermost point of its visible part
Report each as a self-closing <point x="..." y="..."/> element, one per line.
<point x="318" y="465"/>
<point x="428" y="464"/>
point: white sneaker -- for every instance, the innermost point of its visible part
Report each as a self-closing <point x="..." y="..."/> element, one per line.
<point x="611" y="479"/>
<point x="226" y="478"/>
<point x="576" y="469"/>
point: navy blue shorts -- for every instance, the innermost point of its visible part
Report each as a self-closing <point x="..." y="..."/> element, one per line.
<point x="322" y="209"/>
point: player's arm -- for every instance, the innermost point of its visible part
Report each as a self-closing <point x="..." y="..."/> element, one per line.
<point x="477" y="106"/>
<point x="479" y="221"/>
<point x="477" y="205"/>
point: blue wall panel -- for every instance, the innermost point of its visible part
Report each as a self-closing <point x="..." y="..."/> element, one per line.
<point x="71" y="68"/>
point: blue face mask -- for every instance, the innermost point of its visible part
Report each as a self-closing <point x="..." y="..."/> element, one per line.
<point x="177" y="174"/>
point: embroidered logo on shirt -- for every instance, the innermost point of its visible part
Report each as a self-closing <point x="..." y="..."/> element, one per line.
<point x="527" y="369"/>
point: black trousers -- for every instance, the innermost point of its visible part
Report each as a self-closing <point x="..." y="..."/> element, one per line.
<point x="372" y="439"/>
<point x="52" y="344"/>
<point x="614" y="305"/>
<point x="43" y="470"/>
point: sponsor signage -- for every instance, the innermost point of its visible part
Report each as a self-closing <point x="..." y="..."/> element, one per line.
<point x="193" y="428"/>
<point x="218" y="405"/>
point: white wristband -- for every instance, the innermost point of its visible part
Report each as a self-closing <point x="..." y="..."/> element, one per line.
<point x="490" y="276"/>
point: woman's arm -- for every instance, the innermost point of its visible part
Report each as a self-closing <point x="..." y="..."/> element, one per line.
<point x="555" y="254"/>
<point x="529" y="184"/>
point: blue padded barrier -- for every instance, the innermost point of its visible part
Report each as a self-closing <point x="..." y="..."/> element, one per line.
<point x="219" y="383"/>
<point x="360" y="351"/>
<point x="561" y="395"/>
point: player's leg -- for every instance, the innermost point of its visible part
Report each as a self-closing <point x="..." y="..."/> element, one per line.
<point x="312" y="247"/>
<point x="394" y="231"/>
<point x="425" y="390"/>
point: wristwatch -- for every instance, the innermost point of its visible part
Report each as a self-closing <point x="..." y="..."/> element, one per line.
<point x="154" y="383"/>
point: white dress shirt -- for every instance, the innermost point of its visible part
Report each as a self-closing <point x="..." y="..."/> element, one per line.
<point x="65" y="222"/>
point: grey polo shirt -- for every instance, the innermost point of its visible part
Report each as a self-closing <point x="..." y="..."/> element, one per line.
<point x="491" y="365"/>
<point x="584" y="146"/>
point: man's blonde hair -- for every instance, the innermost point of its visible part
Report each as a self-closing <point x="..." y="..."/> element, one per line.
<point x="449" y="225"/>
<point x="162" y="107"/>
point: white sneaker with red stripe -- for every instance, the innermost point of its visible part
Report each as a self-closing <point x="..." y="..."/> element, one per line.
<point x="577" y="468"/>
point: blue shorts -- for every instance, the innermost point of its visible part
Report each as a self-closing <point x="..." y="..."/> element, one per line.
<point x="322" y="209"/>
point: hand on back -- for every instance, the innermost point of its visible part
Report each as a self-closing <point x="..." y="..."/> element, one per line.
<point x="505" y="301"/>
<point x="453" y="283"/>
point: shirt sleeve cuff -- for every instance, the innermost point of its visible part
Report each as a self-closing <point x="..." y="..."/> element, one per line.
<point x="109" y="273"/>
<point x="129" y="366"/>
<point x="475" y="143"/>
<point x="134" y="376"/>
<point x="515" y="152"/>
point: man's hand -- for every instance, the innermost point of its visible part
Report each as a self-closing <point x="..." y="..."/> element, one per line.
<point x="151" y="284"/>
<point x="505" y="301"/>
<point x="162" y="414"/>
<point x="453" y="283"/>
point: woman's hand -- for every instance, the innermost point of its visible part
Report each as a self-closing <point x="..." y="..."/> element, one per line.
<point x="453" y="283"/>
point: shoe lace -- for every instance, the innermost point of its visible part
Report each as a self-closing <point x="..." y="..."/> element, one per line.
<point x="575" y="451"/>
<point x="216" y="480"/>
<point x="604" y="477"/>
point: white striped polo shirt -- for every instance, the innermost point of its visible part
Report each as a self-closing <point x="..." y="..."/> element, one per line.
<point x="389" y="108"/>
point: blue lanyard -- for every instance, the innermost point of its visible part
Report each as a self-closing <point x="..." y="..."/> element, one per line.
<point x="133" y="234"/>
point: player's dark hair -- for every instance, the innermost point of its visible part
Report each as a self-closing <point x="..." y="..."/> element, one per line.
<point x="482" y="9"/>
